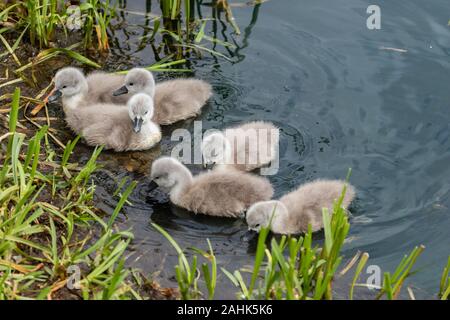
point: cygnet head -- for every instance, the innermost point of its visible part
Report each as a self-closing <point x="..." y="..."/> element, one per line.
<point x="215" y="149"/>
<point x="137" y="80"/>
<point x="266" y="214"/>
<point x="68" y="82"/>
<point x="167" y="173"/>
<point x="140" y="109"/>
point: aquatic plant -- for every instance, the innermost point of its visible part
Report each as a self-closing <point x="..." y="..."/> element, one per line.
<point x="48" y="247"/>
<point x="392" y="284"/>
<point x="209" y="275"/>
<point x="40" y="22"/>
<point x="187" y="274"/>
<point x="444" y="288"/>
<point x="43" y="18"/>
<point x="97" y="15"/>
<point x="183" y="28"/>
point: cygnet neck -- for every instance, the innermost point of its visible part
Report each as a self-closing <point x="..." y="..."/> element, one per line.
<point x="280" y="221"/>
<point x="184" y="180"/>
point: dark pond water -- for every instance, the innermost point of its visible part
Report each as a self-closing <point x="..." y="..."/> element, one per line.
<point x="314" y="69"/>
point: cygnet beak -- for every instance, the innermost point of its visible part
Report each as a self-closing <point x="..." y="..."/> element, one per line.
<point x="55" y="96"/>
<point x="209" y="165"/>
<point x="120" y="91"/>
<point x="152" y="186"/>
<point x="250" y="234"/>
<point x="137" y="124"/>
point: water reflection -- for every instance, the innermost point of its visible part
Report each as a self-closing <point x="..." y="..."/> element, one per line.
<point x="135" y="28"/>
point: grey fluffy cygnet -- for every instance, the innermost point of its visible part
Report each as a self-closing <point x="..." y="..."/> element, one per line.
<point x="120" y="88"/>
<point x="119" y="128"/>
<point x="217" y="193"/>
<point x="114" y="126"/>
<point x="294" y="211"/>
<point x="72" y="87"/>
<point x="175" y="100"/>
<point x="245" y="147"/>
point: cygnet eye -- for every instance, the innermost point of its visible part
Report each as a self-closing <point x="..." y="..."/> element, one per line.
<point x="64" y="87"/>
<point x="131" y="84"/>
<point x="257" y="225"/>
